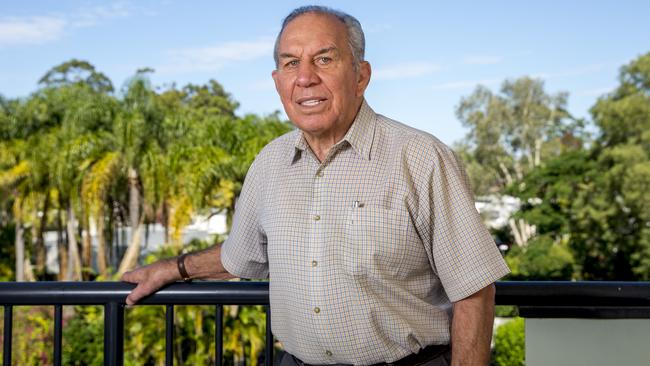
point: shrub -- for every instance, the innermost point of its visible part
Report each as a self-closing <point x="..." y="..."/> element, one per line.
<point x="510" y="343"/>
<point x="541" y="259"/>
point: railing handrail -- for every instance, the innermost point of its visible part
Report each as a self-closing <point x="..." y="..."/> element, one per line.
<point x="573" y="293"/>
<point x="521" y="293"/>
<point x="99" y="293"/>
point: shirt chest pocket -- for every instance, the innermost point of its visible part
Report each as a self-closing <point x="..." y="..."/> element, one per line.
<point x="376" y="241"/>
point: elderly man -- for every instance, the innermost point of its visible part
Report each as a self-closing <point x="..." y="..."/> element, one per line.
<point x="366" y="227"/>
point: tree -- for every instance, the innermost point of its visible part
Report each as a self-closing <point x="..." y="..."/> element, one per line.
<point x="620" y="214"/>
<point x="75" y="157"/>
<point x="77" y="72"/>
<point x="597" y="200"/>
<point x="514" y="131"/>
<point x="511" y="134"/>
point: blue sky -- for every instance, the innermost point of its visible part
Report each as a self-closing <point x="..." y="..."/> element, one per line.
<point x="426" y="55"/>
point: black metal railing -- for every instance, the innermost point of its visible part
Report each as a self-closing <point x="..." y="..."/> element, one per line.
<point x="534" y="299"/>
<point x="112" y="296"/>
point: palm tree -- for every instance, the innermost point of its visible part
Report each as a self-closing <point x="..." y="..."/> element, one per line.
<point x="79" y="102"/>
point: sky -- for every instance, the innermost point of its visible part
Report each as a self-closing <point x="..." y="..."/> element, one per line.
<point x="425" y="55"/>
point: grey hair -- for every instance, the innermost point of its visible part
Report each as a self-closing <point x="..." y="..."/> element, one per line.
<point x="356" y="38"/>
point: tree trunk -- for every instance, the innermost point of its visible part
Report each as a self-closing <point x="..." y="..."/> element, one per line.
<point x="29" y="271"/>
<point x="62" y="251"/>
<point x="134" y="200"/>
<point x="130" y="259"/>
<point x="538" y="152"/>
<point x="39" y="247"/>
<point x="504" y="170"/>
<point x="74" y="261"/>
<point x="101" y="245"/>
<point x="521" y="231"/>
<point x="109" y="240"/>
<point x="86" y="247"/>
<point x="165" y="220"/>
<point x="20" y="250"/>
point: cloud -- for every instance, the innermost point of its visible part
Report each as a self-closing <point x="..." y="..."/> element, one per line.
<point x="97" y="14"/>
<point x="466" y="84"/>
<point x="49" y="28"/>
<point x="212" y="58"/>
<point x="404" y="71"/>
<point x="482" y="60"/>
<point x="34" y="30"/>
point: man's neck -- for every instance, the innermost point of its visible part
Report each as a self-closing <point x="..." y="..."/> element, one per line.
<point x="322" y="144"/>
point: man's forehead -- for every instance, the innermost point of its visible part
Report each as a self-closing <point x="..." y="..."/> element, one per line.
<point x="314" y="27"/>
<point x="291" y="52"/>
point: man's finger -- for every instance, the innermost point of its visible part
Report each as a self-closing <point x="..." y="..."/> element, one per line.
<point x="137" y="294"/>
<point x="135" y="276"/>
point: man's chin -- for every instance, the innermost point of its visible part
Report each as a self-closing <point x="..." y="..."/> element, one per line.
<point x="311" y="123"/>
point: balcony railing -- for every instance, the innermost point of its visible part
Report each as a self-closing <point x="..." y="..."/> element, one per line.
<point x="609" y="300"/>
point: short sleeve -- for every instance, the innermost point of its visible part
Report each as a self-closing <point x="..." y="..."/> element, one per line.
<point x="244" y="254"/>
<point x="466" y="258"/>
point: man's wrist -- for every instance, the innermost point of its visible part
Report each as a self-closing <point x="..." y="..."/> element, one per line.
<point x="182" y="270"/>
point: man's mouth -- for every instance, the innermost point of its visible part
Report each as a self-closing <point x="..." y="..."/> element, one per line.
<point x="310" y="102"/>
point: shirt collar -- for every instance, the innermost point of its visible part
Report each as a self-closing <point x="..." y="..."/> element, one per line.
<point x="360" y="135"/>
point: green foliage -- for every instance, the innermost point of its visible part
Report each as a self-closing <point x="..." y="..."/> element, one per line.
<point x="32" y="335"/>
<point x="506" y="311"/>
<point x="512" y="132"/>
<point x="145" y="155"/>
<point x="510" y="343"/>
<point x="77" y="72"/>
<point x="80" y="337"/>
<point x="7" y="253"/>
<point x="597" y="200"/>
<point x="541" y="259"/>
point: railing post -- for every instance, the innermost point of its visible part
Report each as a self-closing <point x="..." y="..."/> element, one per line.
<point x="268" y="352"/>
<point x="113" y="334"/>
<point x="169" y="335"/>
<point x="218" y="336"/>
<point x="58" y="333"/>
<point x="6" y="349"/>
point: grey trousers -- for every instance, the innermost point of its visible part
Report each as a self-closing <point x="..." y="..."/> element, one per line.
<point x="442" y="360"/>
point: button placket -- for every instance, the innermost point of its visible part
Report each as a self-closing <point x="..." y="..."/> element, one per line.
<point x="316" y="238"/>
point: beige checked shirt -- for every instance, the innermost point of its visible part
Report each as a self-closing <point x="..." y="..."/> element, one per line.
<point x="365" y="250"/>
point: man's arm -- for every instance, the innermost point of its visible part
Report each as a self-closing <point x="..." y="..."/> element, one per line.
<point x="203" y="264"/>
<point x="471" y="328"/>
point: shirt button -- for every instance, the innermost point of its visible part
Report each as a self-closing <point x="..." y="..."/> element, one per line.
<point x="328" y="353"/>
<point x="320" y="174"/>
<point x="314" y="263"/>
<point x="316" y="217"/>
<point x="317" y="310"/>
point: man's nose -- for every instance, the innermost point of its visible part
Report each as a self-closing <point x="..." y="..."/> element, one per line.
<point x="307" y="75"/>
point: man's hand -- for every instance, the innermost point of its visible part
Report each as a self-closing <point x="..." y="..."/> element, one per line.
<point x="151" y="278"/>
<point x="203" y="264"/>
<point x="471" y="329"/>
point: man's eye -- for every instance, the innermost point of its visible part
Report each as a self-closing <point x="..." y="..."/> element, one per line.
<point x="323" y="60"/>
<point x="291" y="64"/>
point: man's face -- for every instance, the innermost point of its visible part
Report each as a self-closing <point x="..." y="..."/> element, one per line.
<point x="319" y="87"/>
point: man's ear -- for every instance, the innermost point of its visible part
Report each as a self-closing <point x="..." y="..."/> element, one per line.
<point x="274" y="75"/>
<point x="365" y="71"/>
